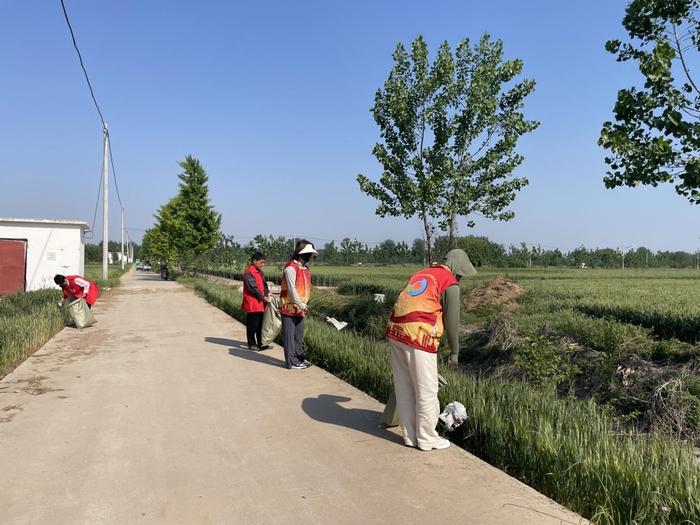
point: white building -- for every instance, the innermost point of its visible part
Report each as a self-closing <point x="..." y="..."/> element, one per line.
<point x="32" y="251"/>
<point x="116" y="257"/>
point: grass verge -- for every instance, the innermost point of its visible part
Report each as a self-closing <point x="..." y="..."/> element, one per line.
<point x="93" y="272"/>
<point x="29" y="319"/>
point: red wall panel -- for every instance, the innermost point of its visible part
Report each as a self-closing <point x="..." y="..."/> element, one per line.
<point x="13" y="263"/>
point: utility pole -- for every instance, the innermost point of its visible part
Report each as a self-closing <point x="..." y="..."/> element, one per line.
<point x="105" y="203"/>
<point x="123" y="253"/>
<point x="623" y="258"/>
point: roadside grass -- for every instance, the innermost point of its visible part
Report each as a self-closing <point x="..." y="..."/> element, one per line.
<point x="29" y="319"/>
<point x="567" y="449"/>
<point x="662" y="301"/>
<point x="617" y="337"/>
<point x="93" y="272"/>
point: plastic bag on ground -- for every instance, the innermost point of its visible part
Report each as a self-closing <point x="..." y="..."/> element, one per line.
<point x="272" y="320"/>
<point x="338" y="325"/>
<point x="81" y="314"/>
<point x="454" y="415"/>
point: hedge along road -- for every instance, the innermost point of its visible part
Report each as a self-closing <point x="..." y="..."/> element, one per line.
<point x="159" y="415"/>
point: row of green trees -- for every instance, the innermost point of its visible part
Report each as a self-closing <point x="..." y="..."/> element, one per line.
<point x="483" y="252"/>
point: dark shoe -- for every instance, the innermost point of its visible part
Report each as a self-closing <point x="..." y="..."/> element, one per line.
<point x="264" y="347"/>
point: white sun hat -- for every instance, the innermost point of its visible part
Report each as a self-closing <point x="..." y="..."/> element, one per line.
<point x="309" y="248"/>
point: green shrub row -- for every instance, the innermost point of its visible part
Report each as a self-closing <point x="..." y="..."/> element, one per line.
<point x="564" y="448"/>
<point x="663" y="324"/>
<point x="345" y="284"/>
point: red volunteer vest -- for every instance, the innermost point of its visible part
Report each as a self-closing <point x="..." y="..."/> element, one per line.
<point x="252" y="304"/>
<point x="303" y="288"/>
<point x="416" y="319"/>
<point x="78" y="286"/>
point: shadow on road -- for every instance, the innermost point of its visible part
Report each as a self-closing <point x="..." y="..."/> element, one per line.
<point x="241" y="345"/>
<point x="240" y="349"/>
<point x="326" y="408"/>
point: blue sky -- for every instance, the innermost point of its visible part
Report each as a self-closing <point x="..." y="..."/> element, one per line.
<point x="277" y="94"/>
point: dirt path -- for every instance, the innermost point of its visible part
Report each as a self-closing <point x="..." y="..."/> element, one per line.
<point x="158" y="415"/>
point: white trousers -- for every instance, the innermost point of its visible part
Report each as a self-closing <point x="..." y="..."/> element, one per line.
<point x="416" y="387"/>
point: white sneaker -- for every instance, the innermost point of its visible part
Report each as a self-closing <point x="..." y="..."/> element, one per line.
<point x="440" y="445"/>
<point x="300" y="366"/>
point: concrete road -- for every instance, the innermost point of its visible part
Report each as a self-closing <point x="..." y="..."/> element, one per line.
<point x="159" y="415"/>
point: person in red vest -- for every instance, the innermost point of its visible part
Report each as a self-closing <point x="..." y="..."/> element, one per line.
<point x="294" y="297"/>
<point x="74" y="287"/>
<point x="255" y="295"/>
<point x="428" y="304"/>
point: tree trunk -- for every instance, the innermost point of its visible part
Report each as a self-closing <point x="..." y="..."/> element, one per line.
<point x="452" y="238"/>
<point x="428" y="241"/>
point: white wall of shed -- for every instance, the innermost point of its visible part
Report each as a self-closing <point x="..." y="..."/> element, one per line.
<point x="51" y="249"/>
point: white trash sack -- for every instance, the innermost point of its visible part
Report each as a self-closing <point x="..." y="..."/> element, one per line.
<point x="454" y="415"/>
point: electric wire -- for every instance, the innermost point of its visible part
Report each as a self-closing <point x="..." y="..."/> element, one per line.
<point x="114" y="173"/>
<point x="97" y="204"/>
<point x="82" y="65"/>
<point x="99" y="112"/>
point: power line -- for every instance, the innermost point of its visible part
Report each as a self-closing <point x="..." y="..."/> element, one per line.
<point x="97" y="204"/>
<point x="99" y="112"/>
<point x="114" y="173"/>
<point x="82" y="65"/>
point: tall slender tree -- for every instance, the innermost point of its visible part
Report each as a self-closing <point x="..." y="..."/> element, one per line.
<point x="486" y="125"/>
<point x="449" y="132"/>
<point x="410" y="112"/>
<point x="187" y="225"/>
<point x="198" y="223"/>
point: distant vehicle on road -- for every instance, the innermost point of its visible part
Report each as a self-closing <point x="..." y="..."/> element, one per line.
<point x="147" y="267"/>
<point x="139" y="266"/>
